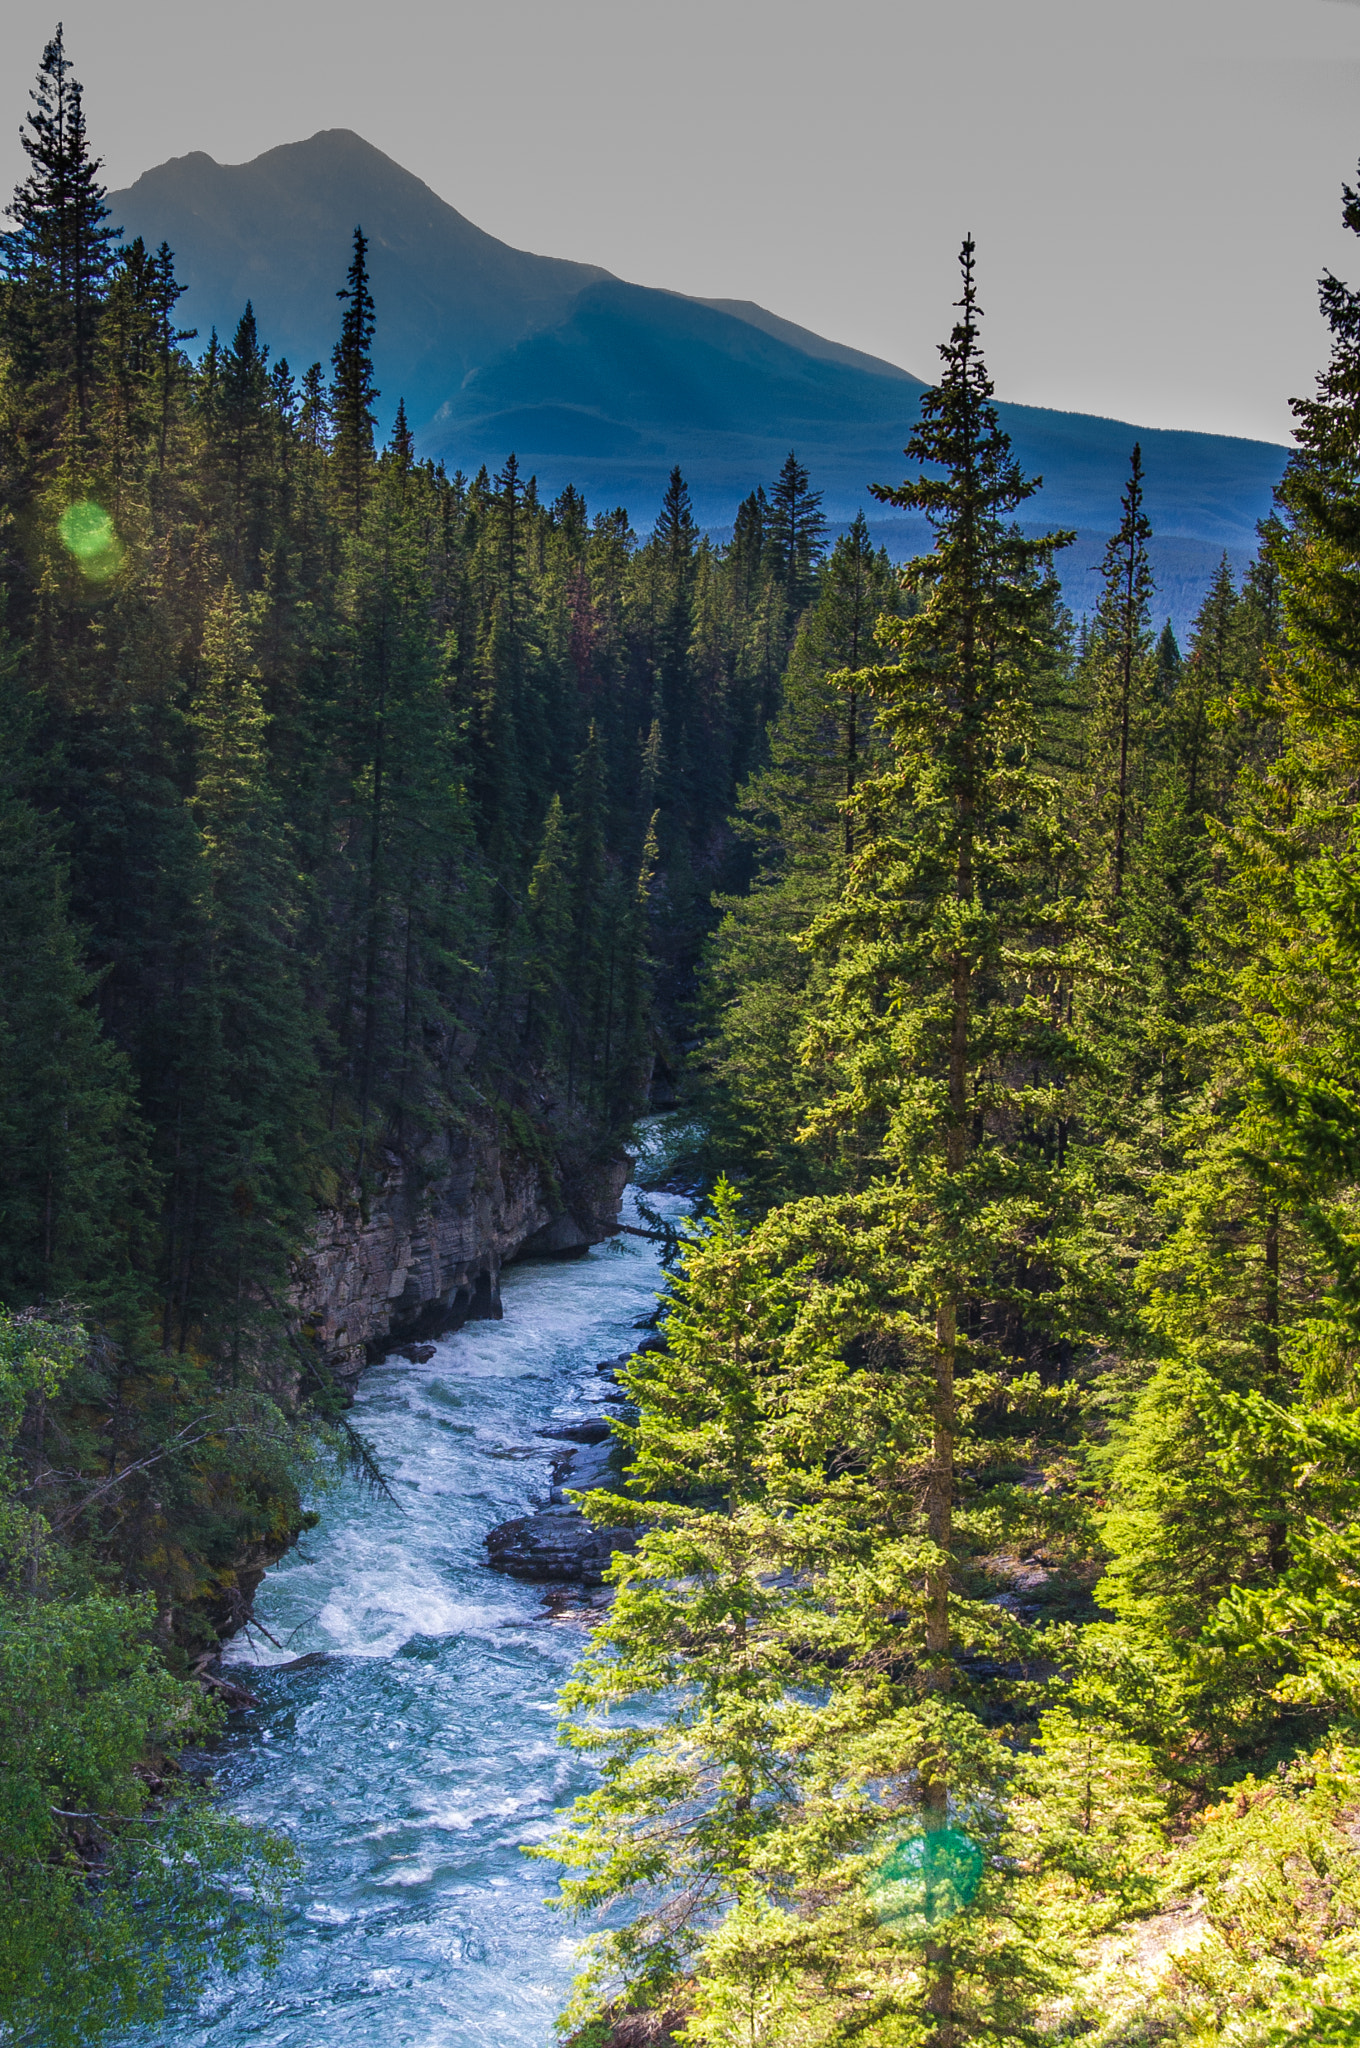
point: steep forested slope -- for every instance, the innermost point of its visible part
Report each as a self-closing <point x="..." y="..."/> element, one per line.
<point x="988" y="1664"/>
<point x="357" y="825"/>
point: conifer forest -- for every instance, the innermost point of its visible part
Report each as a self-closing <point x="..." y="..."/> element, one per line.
<point x="985" y="1666"/>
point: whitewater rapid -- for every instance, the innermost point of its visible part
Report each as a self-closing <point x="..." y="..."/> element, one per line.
<point x="413" y="1762"/>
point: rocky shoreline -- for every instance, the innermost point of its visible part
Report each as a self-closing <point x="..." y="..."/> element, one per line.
<point x="420" y="1256"/>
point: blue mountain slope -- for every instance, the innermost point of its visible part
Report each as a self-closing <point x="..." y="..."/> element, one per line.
<point x="1182" y="566"/>
<point x="606" y="384"/>
<point x="633" y="380"/>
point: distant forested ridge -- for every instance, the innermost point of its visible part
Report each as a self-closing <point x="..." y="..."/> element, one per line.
<point x="342" y="801"/>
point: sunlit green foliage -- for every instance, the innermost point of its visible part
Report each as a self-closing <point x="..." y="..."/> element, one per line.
<point x="1075" y="998"/>
<point x="119" y="1883"/>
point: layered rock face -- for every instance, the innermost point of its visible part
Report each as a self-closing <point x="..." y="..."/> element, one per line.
<point x="427" y="1255"/>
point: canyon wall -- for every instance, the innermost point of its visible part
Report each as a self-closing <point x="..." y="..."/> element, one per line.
<point x="425" y="1253"/>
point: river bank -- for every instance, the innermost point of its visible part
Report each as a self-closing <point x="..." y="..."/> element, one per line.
<point x="416" y="1754"/>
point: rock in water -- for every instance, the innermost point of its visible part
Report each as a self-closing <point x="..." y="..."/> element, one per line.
<point x="594" y="1430"/>
<point x="556" y="1544"/>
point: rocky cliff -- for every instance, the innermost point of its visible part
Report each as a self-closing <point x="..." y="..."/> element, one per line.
<point x="425" y="1254"/>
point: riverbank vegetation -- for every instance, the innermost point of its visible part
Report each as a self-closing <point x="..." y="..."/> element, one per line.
<point x="988" y="1666"/>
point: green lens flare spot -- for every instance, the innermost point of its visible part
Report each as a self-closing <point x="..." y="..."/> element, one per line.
<point x="925" y="1879"/>
<point x="89" y="533"/>
<point x="87" y="530"/>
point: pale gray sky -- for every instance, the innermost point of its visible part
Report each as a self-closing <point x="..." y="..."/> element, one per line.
<point x="1154" y="187"/>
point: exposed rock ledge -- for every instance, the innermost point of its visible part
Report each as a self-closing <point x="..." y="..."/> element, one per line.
<point x="428" y="1254"/>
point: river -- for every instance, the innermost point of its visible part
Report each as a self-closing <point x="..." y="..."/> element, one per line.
<point x="411" y="1764"/>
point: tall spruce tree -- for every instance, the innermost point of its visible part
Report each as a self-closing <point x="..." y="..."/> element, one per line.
<point x="793" y="528"/>
<point x="811" y="1453"/>
<point x="353" y="392"/>
<point x="1121" y="685"/>
<point x="61" y="250"/>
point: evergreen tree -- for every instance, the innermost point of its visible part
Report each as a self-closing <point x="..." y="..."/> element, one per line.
<point x="246" y="1077"/>
<point x="813" y="1480"/>
<point x="61" y="249"/>
<point x="793" y="528"/>
<point x="593" y="964"/>
<point x="402" y="447"/>
<point x="762" y="984"/>
<point x="353" y="393"/>
<point x="74" y="1153"/>
<point x="549" y="934"/>
<point x="242" y="423"/>
<point x="1168" y="665"/>
<point x="674" y="542"/>
<point x="1117" y="664"/>
<point x="747" y="551"/>
<point x="1228" y="1473"/>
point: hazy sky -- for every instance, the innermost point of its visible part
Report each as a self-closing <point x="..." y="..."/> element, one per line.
<point x="1154" y="187"/>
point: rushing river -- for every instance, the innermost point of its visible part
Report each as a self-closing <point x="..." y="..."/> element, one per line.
<point x="411" y="1764"/>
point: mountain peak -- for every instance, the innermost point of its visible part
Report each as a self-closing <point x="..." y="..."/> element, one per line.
<point x="277" y="230"/>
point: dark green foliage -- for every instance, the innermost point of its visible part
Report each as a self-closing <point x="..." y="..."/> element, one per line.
<point x="763" y="986"/>
<point x="61" y="249"/>
<point x="346" y="804"/>
<point x="353" y="392"/>
<point x="75" y="1196"/>
<point x="793" y="529"/>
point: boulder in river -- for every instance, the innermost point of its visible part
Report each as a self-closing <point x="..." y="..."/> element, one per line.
<point x="593" y="1430"/>
<point x="556" y="1544"/>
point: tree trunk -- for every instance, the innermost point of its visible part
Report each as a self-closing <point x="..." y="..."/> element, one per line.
<point x="940" y="1506"/>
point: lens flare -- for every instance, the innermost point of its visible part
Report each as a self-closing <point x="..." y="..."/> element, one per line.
<point x="926" y="1878"/>
<point x="88" y="532"/>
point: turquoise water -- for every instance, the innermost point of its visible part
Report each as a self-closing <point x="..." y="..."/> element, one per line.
<point x="413" y="1762"/>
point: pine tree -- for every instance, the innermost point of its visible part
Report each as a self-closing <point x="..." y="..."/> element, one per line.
<point x="593" y="965"/>
<point x="167" y="291"/>
<point x="793" y="528"/>
<point x="674" y="542"/>
<point x="402" y="447"/>
<point x="1168" y="665"/>
<point x="946" y="1049"/>
<point x="1118" y="663"/>
<point x="549" y="933"/>
<point x="246" y="1067"/>
<point x="61" y="250"/>
<point x="812" y="1482"/>
<point x="746" y="553"/>
<point x="243" y="423"/>
<point x="404" y="797"/>
<point x="353" y="393"/>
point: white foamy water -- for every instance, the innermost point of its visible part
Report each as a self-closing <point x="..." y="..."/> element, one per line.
<point x="413" y="1763"/>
